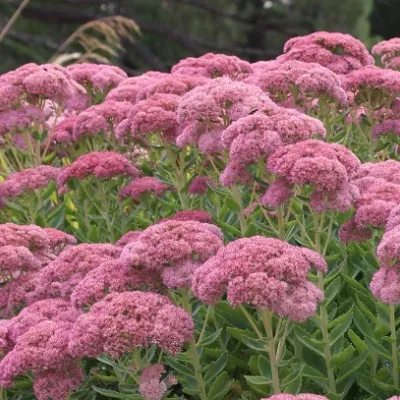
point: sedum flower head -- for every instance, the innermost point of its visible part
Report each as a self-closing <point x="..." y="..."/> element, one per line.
<point x="263" y="272"/>
<point x="125" y="321"/>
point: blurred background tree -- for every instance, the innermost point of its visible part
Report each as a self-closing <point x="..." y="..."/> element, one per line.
<point x="174" y="29"/>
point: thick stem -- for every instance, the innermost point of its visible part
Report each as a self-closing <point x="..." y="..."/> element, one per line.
<point x="281" y="223"/>
<point x="395" y="360"/>
<point x="238" y="199"/>
<point x="323" y="313"/>
<point x="267" y="321"/>
<point x="180" y="180"/>
<point x="193" y="353"/>
<point x="324" y="319"/>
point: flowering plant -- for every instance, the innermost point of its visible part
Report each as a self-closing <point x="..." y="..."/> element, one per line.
<point x="227" y="230"/>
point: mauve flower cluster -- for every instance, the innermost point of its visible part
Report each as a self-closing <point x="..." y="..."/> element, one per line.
<point x="36" y="340"/>
<point x="102" y="77"/>
<point x="152" y="384"/>
<point x="24" y="252"/>
<point x="59" y="278"/>
<point x="12" y="121"/>
<point x="257" y="136"/>
<point x="326" y="166"/>
<point x="303" y="81"/>
<point x="190" y="215"/>
<point x="124" y="321"/>
<point x="388" y="126"/>
<point x="157" y="114"/>
<point x="388" y="50"/>
<point x="207" y="110"/>
<point x="170" y="84"/>
<point x="200" y="185"/>
<point x="141" y="186"/>
<point x="341" y="53"/>
<point x="99" y="118"/>
<point x="301" y="396"/>
<point x="213" y="66"/>
<point x="28" y="179"/>
<point x="46" y="81"/>
<point x="373" y="84"/>
<point x="128" y="89"/>
<point x="173" y="250"/>
<point x="110" y="277"/>
<point x="103" y="165"/>
<point x="265" y="273"/>
<point x="378" y="185"/>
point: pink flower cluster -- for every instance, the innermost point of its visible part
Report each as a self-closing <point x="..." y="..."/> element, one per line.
<point x="103" y="165"/>
<point x="173" y="250"/>
<point x="157" y="114"/>
<point x="12" y="121"/>
<point x="341" y="53"/>
<point x="141" y="186"/>
<point x="59" y="278"/>
<point x="303" y="81"/>
<point x="190" y="215"/>
<point x="327" y="167"/>
<point x="207" y="110"/>
<point x="47" y="81"/>
<point x="101" y="77"/>
<point x="24" y="252"/>
<point x="129" y="88"/>
<point x="263" y="272"/>
<point x="28" y="179"/>
<point x="378" y="185"/>
<point x="257" y="136"/>
<point x="388" y="50"/>
<point x="200" y="185"/>
<point x="124" y="321"/>
<point x="213" y="66"/>
<point x="36" y="341"/>
<point x="102" y="117"/>
<point x="301" y="396"/>
<point x="152" y="384"/>
<point x="373" y="83"/>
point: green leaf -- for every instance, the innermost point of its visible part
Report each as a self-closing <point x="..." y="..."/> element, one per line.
<point x="338" y="332"/>
<point x="313" y="344"/>
<point x="179" y="367"/>
<point x="373" y="344"/>
<point x="312" y="373"/>
<point x="255" y="344"/>
<point x="258" y="380"/>
<point x="220" y="387"/>
<point x="112" y="393"/>
<point x="362" y="323"/>
<point x="216" y="367"/>
<point x="354" y="366"/>
<point x="292" y="382"/>
<point x="264" y="366"/>
<point x="93" y="234"/>
<point x="231" y="204"/>
<point x="343" y="357"/>
<point x="332" y="290"/>
<point x="207" y="340"/>
<point x="357" y="341"/>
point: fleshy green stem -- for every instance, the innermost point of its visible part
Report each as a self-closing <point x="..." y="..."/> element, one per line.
<point x="193" y="353"/>
<point x="281" y="223"/>
<point x="180" y="180"/>
<point x="238" y="199"/>
<point x="395" y="360"/>
<point x="325" y="337"/>
<point x="267" y="321"/>
<point x="324" y="320"/>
